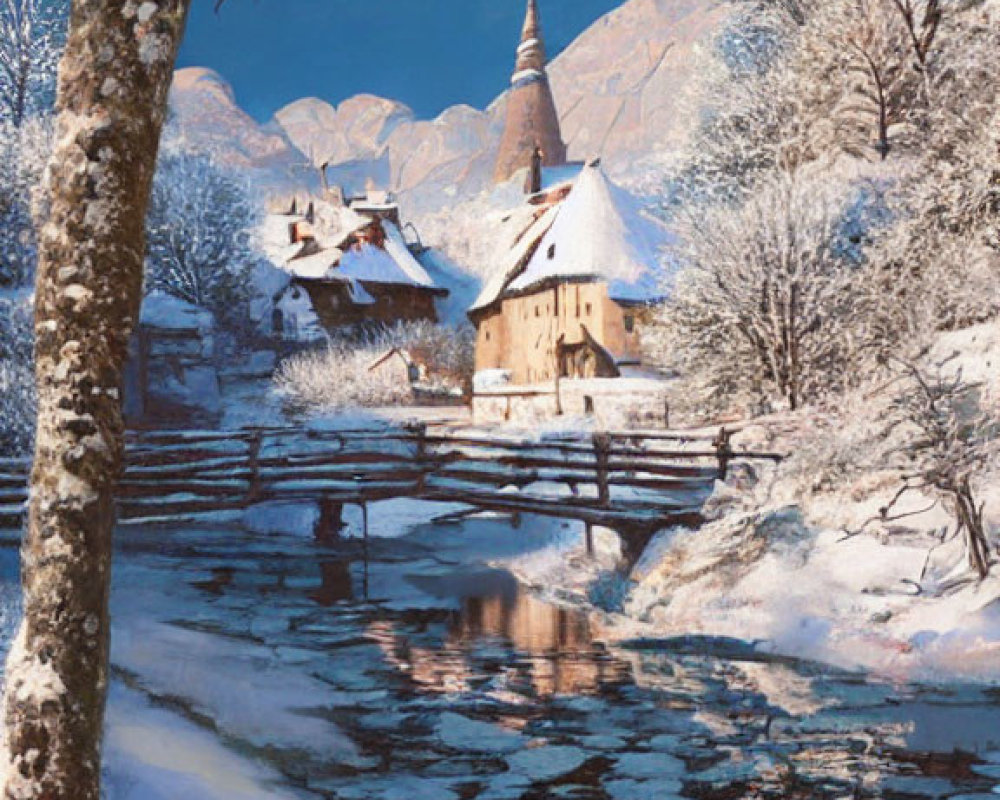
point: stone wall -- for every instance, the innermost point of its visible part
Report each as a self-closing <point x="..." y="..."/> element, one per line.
<point x="609" y="402"/>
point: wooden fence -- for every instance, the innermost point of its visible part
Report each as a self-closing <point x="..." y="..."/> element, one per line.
<point x="618" y="479"/>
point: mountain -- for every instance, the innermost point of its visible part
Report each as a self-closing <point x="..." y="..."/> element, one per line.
<point x="623" y="89"/>
<point x="205" y="113"/>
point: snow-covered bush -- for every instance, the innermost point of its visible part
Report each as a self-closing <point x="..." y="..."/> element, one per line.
<point x="951" y="441"/>
<point x="17" y="379"/>
<point x="200" y="247"/>
<point x="341" y="375"/>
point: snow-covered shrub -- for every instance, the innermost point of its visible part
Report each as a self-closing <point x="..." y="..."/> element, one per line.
<point x="17" y="379"/>
<point x="200" y="246"/>
<point x="341" y="375"/>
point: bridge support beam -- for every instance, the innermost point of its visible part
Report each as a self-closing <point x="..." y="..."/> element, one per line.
<point x="330" y="522"/>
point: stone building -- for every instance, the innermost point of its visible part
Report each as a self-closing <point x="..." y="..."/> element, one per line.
<point x="576" y="281"/>
<point x="532" y="121"/>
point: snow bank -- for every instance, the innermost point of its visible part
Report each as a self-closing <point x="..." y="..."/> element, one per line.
<point x="901" y="604"/>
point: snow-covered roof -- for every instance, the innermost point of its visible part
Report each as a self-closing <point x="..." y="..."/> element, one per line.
<point x="166" y="312"/>
<point x="395" y="264"/>
<point x="516" y="256"/>
<point x="601" y="232"/>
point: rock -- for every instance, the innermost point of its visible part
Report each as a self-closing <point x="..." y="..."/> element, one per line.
<point x="648" y="766"/>
<point x="278" y="518"/>
<point x="643" y="790"/>
<point x="462" y="733"/>
<point x="547" y="763"/>
<point x="603" y="742"/>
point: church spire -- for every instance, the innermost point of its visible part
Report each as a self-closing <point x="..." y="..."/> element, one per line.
<point x="532" y="120"/>
<point x="531" y="53"/>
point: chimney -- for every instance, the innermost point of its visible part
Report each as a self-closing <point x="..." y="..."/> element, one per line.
<point x="534" y="183"/>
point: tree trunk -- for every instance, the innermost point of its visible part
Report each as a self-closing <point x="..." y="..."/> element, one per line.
<point x="111" y="105"/>
<point x="970" y="518"/>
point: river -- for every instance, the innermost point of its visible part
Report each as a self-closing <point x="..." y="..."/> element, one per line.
<point x="412" y="669"/>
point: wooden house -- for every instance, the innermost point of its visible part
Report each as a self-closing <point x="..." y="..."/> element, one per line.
<point x="576" y="280"/>
<point x="353" y="266"/>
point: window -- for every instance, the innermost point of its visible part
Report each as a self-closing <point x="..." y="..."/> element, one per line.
<point x="487" y="335"/>
<point x="588" y="308"/>
<point x="552" y="251"/>
<point x="629" y="323"/>
<point x="538" y="312"/>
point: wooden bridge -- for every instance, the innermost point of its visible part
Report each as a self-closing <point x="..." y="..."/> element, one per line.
<point x="634" y="482"/>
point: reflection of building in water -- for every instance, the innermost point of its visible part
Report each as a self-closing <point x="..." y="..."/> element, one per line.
<point x="557" y="653"/>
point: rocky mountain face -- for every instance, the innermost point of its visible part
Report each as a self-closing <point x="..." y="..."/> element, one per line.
<point x="622" y="89"/>
<point x="205" y="113"/>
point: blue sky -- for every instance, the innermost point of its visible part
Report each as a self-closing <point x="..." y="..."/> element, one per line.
<point x="429" y="54"/>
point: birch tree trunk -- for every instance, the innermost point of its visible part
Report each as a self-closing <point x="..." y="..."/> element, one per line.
<point x="113" y="83"/>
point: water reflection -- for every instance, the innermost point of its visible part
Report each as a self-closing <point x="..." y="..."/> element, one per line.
<point x="507" y="641"/>
<point x="702" y="722"/>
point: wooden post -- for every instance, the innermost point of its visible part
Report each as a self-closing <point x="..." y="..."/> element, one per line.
<point x="419" y="430"/>
<point x="331" y="521"/>
<point x="364" y="545"/>
<point x="590" y="539"/>
<point x="256" y="439"/>
<point x="602" y="447"/>
<point x="724" y="451"/>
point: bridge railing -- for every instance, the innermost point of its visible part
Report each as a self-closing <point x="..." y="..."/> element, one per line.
<point x="600" y="478"/>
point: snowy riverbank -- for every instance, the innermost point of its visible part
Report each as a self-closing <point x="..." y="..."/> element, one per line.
<point x="810" y="579"/>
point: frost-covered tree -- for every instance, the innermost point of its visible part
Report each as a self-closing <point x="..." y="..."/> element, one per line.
<point x="32" y="35"/>
<point x="17" y="389"/>
<point x="200" y="246"/>
<point x="111" y="104"/>
<point x="940" y="260"/>
<point x="763" y="305"/>
<point x="23" y="152"/>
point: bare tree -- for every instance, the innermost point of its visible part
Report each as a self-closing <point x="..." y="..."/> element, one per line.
<point x="949" y="442"/>
<point x="114" y="79"/>
<point x="32" y="33"/>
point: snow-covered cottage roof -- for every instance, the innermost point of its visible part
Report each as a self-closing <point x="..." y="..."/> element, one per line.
<point x="395" y="264"/>
<point x="391" y="264"/>
<point x="598" y="232"/>
<point x="516" y="256"/>
<point x="601" y="231"/>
